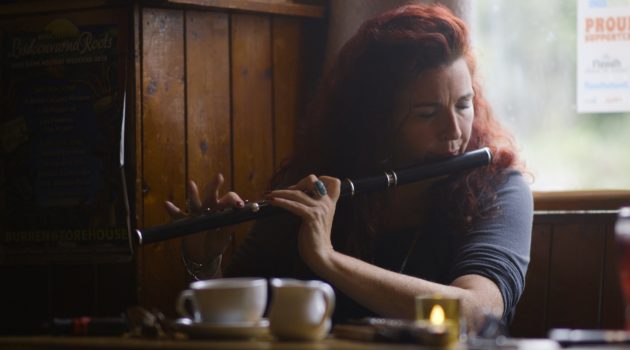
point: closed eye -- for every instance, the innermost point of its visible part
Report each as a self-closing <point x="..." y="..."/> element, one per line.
<point x="424" y="111"/>
<point x="464" y="105"/>
<point x="465" y="102"/>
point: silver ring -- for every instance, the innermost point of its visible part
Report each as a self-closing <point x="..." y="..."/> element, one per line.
<point x="320" y="188"/>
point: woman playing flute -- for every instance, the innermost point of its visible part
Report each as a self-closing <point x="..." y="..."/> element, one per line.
<point x="402" y="91"/>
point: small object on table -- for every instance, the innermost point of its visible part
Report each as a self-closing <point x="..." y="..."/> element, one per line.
<point x="394" y="331"/>
<point x="89" y="326"/>
<point x="575" y="337"/>
<point x="437" y="324"/>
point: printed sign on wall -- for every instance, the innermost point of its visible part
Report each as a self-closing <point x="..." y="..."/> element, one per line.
<point x="63" y="188"/>
<point x="603" y="56"/>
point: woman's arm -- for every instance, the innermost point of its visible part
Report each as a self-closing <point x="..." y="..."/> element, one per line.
<point x="498" y="246"/>
<point x="385" y="292"/>
<point x="392" y="294"/>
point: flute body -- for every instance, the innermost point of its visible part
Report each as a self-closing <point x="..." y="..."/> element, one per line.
<point x="262" y="209"/>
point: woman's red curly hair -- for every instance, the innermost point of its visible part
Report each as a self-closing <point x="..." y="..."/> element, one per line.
<point x="349" y="130"/>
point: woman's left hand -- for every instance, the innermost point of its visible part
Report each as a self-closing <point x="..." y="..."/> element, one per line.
<point x="314" y="199"/>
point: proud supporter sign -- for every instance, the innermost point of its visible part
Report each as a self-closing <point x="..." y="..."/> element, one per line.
<point x="603" y="56"/>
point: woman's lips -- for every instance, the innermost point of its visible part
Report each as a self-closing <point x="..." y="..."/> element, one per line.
<point x="442" y="155"/>
<point x="448" y="153"/>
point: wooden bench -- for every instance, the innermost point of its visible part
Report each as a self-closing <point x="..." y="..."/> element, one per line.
<point x="572" y="281"/>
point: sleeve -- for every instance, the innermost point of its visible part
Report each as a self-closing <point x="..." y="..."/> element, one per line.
<point x="498" y="247"/>
<point x="269" y="249"/>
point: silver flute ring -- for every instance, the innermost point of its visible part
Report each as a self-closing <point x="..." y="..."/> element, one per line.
<point x="320" y="188"/>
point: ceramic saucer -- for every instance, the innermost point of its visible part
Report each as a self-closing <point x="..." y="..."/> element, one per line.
<point x="222" y="330"/>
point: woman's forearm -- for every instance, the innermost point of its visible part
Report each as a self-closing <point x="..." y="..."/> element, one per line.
<point x="392" y="294"/>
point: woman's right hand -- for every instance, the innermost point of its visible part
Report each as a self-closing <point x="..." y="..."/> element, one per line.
<point x="211" y="201"/>
<point x="206" y="246"/>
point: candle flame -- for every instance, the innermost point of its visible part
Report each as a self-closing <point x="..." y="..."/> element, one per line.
<point x="437" y="315"/>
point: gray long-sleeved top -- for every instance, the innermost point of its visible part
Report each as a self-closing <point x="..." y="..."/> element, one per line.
<point x="496" y="247"/>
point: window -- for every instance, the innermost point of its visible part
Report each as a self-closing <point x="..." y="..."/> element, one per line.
<point x="527" y="63"/>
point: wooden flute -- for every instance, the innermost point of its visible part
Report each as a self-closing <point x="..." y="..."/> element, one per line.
<point x="349" y="187"/>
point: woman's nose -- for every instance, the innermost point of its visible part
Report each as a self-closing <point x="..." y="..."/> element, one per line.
<point x="450" y="126"/>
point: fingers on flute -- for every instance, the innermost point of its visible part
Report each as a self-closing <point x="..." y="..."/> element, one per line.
<point x="231" y="199"/>
<point x="333" y="185"/>
<point x="304" y="184"/>
<point x="211" y="193"/>
<point x="173" y="210"/>
<point x="216" y="185"/>
<point x="292" y="195"/>
<point x="309" y="185"/>
<point x="193" y="196"/>
<point x="292" y="206"/>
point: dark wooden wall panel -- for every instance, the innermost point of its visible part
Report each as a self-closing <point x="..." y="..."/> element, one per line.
<point x="287" y="74"/>
<point x="531" y="317"/>
<point x="208" y="98"/>
<point x="576" y="285"/>
<point x="575" y="275"/>
<point x="163" y="146"/>
<point x="251" y="107"/>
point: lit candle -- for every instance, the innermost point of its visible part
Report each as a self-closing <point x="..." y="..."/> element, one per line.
<point x="437" y="316"/>
<point x="440" y="317"/>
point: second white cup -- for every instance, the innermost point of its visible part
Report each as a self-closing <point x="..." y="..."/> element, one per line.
<point x="300" y="310"/>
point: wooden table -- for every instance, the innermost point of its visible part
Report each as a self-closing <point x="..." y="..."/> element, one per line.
<point x="52" y="342"/>
<point x="117" y="343"/>
<point x="58" y="342"/>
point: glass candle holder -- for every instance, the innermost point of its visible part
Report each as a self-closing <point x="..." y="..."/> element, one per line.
<point x="442" y="314"/>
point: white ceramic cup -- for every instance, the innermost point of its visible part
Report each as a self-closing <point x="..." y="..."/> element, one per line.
<point x="224" y="300"/>
<point x="300" y="310"/>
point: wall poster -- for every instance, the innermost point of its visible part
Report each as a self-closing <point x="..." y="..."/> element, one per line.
<point x="63" y="195"/>
<point x="603" y="56"/>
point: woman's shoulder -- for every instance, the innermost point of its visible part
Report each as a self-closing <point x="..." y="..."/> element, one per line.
<point x="513" y="191"/>
<point x="513" y="180"/>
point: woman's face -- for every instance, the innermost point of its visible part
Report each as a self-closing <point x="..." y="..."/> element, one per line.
<point x="437" y="114"/>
